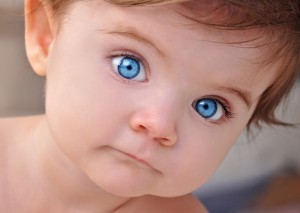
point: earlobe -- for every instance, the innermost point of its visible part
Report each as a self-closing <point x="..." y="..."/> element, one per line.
<point x="38" y="35"/>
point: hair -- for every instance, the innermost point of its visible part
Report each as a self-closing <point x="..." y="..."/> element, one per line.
<point x="280" y="20"/>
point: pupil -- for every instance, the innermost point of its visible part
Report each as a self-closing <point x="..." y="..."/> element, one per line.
<point x="129" y="67"/>
<point x="205" y="106"/>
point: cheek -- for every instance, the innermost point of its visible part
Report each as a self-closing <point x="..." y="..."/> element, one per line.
<point x="200" y="153"/>
<point x="84" y="107"/>
<point x="81" y="111"/>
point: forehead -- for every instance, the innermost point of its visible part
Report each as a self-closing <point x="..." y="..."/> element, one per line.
<point x="181" y="16"/>
<point x="165" y="25"/>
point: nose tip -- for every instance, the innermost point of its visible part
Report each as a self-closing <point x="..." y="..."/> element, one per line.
<point x="155" y="126"/>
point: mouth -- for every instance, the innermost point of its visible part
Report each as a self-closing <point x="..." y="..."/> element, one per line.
<point x="137" y="159"/>
<point x="140" y="162"/>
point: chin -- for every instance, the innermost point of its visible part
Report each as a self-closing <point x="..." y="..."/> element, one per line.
<point x="122" y="180"/>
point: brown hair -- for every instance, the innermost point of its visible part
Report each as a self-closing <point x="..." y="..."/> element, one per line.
<point x="279" y="18"/>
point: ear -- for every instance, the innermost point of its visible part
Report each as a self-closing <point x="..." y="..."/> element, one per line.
<point x="38" y="35"/>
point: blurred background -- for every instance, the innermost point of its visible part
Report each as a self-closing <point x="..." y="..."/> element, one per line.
<point x="21" y="91"/>
<point x="261" y="173"/>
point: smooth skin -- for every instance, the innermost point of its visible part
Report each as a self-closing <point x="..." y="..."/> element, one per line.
<point x="110" y="144"/>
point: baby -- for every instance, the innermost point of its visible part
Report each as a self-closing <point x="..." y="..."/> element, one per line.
<point x="143" y="100"/>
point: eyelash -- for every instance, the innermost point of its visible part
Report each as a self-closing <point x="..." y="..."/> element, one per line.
<point x="228" y="114"/>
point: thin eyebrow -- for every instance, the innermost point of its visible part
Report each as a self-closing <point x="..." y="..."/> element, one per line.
<point x="241" y="94"/>
<point x="135" y="35"/>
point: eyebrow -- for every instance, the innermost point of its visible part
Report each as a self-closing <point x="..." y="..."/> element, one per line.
<point x="135" y="35"/>
<point x="241" y="94"/>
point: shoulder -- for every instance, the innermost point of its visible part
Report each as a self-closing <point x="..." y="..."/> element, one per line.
<point x="14" y="129"/>
<point x="8" y="134"/>
<point x="17" y="124"/>
<point x="8" y="129"/>
<point x="14" y="132"/>
<point x="187" y="203"/>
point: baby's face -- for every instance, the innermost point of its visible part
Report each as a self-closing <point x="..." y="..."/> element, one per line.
<point x="142" y="101"/>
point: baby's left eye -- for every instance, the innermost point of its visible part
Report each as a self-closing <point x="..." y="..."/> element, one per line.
<point x="129" y="67"/>
<point x="209" y="109"/>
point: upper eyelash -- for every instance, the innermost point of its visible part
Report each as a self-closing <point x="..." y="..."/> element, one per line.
<point x="227" y="112"/>
<point x="226" y="108"/>
<point x="131" y="55"/>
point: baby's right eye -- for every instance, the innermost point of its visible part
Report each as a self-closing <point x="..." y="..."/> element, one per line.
<point x="129" y="67"/>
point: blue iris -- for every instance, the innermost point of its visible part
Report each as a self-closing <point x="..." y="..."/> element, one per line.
<point x="129" y="68"/>
<point x="206" y="107"/>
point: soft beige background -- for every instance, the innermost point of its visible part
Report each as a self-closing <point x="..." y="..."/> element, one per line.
<point x="21" y="93"/>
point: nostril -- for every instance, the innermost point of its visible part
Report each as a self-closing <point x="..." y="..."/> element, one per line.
<point x="166" y="141"/>
<point x="141" y="127"/>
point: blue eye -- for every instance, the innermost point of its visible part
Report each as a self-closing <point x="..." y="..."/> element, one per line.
<point x="129" y="68"/>
<point x="209" y="108"/>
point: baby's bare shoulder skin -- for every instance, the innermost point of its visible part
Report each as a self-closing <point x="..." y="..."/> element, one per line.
<point x="13" y="133"/>
<point x="15" y="129"/>
<point x="186" y="203"/>
<point x="7" y="126"/>
<point x="149" y="204"/>
<point x="8" y="134"/>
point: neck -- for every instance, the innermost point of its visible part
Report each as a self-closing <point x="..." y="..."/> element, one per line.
<point x="62" y="180"/>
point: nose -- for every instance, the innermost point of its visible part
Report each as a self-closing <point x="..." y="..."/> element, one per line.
<point x="156" y="122"/>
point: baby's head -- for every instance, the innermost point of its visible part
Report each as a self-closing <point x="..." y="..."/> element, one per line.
<point x="170" y="83"/>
